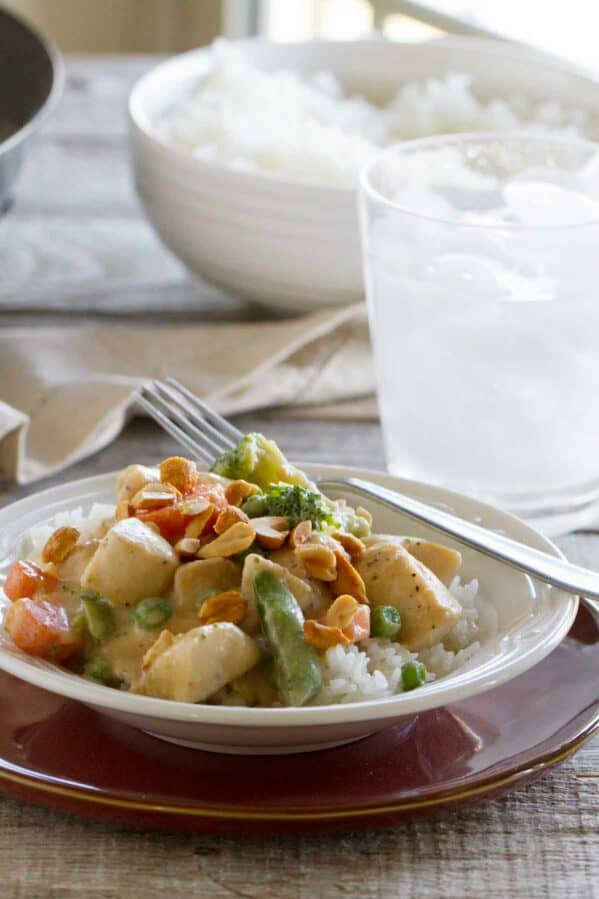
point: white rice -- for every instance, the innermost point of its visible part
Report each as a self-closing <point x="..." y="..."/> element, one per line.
<point x="374" y="670"/>
<point x="309" y="130"/>
<point x="89" y="524"/>
<point x="350" y="674"/>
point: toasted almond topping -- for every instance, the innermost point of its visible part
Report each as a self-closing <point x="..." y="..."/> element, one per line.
<point x="123" y="510"/>
<point x="180" y="472"/>
<point x="193" y="505"/>
<point x="322" y="637"/>
<point x="164" y="642"/>
<point x="229" y="605"/>
<point x="198" y="525"/>
<point x="60" y="544"/>
<point x="155" y="496"/>
<point x="238" y="491"/>
<point x="352" y="545"/>
<point x="341" y="613"/>
<point x="271" y="531"/>
<point x="235" y="540"/>
<point x="228" y="517"/>
<point x="319" y="561"/>
<point x="348" y="580"/>
<point x="188" y="546"/>
<point x="321" y="539"/>
<point x="301" y="533"/>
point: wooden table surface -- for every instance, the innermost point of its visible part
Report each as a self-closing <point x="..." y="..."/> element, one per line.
<point x="76" y="245"/>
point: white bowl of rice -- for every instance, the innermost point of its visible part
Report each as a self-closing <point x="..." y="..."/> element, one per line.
<point x="246" y="155"/>
<point x="509" y="624"/>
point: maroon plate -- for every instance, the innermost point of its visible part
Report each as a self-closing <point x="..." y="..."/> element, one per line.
<point x="59" y="753"/>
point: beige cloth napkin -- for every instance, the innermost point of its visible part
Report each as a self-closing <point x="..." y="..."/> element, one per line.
<point x="66" y="392"/>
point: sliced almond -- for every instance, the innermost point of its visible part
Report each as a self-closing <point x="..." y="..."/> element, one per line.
<point x="229" y="605"/>
<point x="193" y="505"/>
<point x="271" y="530"/>
<point x="164" y="642"/>
<point x="60" y="544"/>
<point x="348" y="580"/>
<point x="238" y="491"/>
<point x="326" y="540"/>
<point x="319" y="561"/>
<point x="322" y="637"/>
<point x="188" y="547"/>
<point x="181" y="473"/>
<point x="228" y="517"/>
<point x="352" y="545"/>
<point x="155" y="496"/>
<point x="301" y="533"/>
<point x="233" y="541"/>
<point x="341" y="613"/>
<point x="197" y="525"/>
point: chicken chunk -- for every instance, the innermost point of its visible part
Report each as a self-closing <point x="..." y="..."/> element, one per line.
<point x="311" y="602"/>
<point x="194" y="666"/>
<point x="394" y="577"/>
<point x="197" y="578"/>
<point x="132" y="562"/>
<point x="441" y="560"/>
<point x="133" y="478"/>
<point x="321" y="595"/>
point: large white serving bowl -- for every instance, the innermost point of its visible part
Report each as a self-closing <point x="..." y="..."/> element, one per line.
<point x="522" y="622"/>
<point x="284" y="244"/>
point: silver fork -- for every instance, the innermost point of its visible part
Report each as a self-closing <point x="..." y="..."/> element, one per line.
<point x="206" y="434"/>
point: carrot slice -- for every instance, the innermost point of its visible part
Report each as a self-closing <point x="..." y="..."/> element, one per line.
<point x="172" y="523"/>
<point x="26" y="579"/>
<point x="41" y="628"/>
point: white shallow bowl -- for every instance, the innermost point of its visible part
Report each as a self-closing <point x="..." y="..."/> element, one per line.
<point x="281" y="243"/>
<point x="529" y="620"/>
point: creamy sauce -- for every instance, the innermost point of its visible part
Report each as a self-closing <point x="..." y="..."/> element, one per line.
<point x="126" y="649"/>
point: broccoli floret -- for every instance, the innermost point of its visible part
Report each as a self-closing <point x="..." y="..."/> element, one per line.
<point x="349" y="521"/>
<point x="293" y="501"/>
<point x="259" y="461"/>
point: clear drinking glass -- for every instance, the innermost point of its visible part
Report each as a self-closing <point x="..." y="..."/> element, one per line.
<point x="481" y="257"/>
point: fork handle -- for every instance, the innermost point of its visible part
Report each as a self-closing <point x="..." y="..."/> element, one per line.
<point x="551" y="569"/>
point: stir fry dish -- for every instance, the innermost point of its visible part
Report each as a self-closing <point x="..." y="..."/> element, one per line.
<point x="243" y="585"/>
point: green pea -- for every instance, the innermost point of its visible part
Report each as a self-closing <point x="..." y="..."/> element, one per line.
<point x="385" y="621"/>
<point x="98" y="669"/>
<point x="152" y="613"/>
<point x="206" y="595"/>
<point x="413" y="674"/>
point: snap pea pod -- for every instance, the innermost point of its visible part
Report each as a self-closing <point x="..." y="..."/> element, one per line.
<point x="298" y="675"/>
<point x="97" y="615"/>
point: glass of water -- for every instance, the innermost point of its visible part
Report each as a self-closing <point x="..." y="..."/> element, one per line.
<point x="481" y="256"/>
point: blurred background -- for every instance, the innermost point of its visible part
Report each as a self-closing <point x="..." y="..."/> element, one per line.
<point x="150" y="26"/>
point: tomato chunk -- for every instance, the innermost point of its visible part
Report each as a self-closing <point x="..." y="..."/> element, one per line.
<point x="26" y="579"/>
<point x="214" y="493"/>
<point x="41" y="628"/>
<point x="359" y="628"/>
<point x="172" y="523"/>
<point x="169" y="520"/>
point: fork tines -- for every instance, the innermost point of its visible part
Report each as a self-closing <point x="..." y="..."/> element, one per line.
<point x="192" y="423"/>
